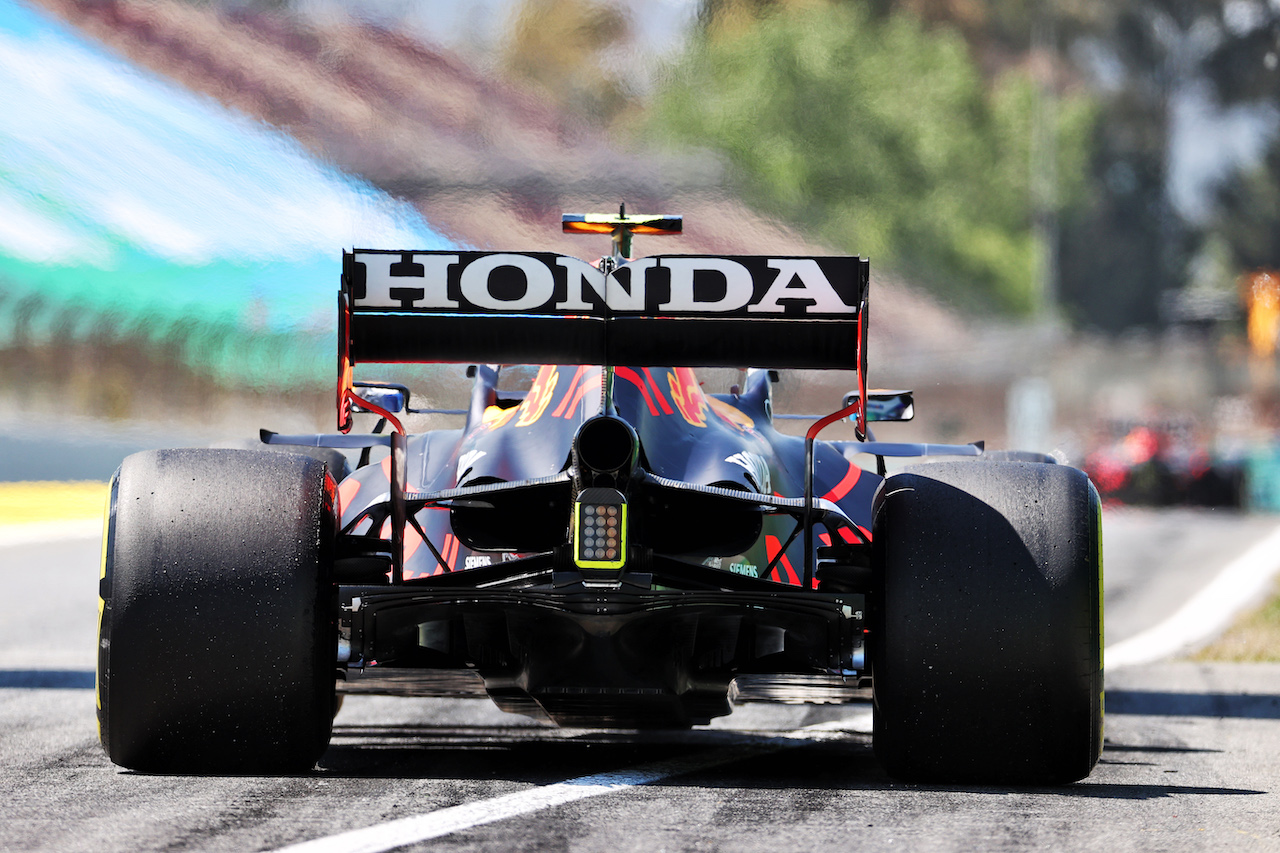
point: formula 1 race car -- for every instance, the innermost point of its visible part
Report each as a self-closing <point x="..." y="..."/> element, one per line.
<point x="610" y="546"/>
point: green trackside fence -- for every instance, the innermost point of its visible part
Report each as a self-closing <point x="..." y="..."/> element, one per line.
<point x="38" y="331"/>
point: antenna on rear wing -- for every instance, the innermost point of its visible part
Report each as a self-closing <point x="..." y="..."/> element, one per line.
<point x="621" y="227"/>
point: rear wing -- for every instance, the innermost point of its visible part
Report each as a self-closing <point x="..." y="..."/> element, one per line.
<point x="543" y="308"/>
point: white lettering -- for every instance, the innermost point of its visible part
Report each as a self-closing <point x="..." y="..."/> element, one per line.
<point x="619" y="298"/>
<point x="519" y="282"/>
<point x="538" y="280"/>
<point x="578" y="273"/>
<point x="475" y="562"/>
<point x="737" y="280"/>
<point x="812" y="285"/>
<point x="378" y="282"/>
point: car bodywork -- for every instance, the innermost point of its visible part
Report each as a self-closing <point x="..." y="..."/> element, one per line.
<point x="610" y="546"/>
<point x="744" y="559"/>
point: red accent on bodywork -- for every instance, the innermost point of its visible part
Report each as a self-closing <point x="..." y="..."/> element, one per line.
<point x="450" y="553"/>
<point x="539" y="396"/>
<point x="352" y="397"/>
<point x="345" y="367"/>
<point x="846" y="485"/>
<point x="822" y="423"/>
<point x="634" y="378"/>
<point x="847" y="535"/>
<point x="592" y="383"/>
<point x="860" y="428"/>
<point x="412" y="542"/>
<point x="771" y="548"/>
<point x="568" y="392"/>
<point x="662" y="401"/>
<point x="347" y="493"/>
<point x="687" y="394"/>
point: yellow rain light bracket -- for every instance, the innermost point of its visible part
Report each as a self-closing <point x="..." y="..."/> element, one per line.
<point x="600" y="529"/>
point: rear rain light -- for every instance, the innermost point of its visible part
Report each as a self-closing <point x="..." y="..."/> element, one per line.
<point x="600" y="529"/>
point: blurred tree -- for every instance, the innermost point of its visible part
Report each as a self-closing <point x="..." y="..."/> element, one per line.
<point x="1249" y="214"/>
<point x="1132" y="243"/>
<point x="1247" y="205"/>
<point x="564" y="47"/>
<point x="1122" y="241"/>
<point x="1129" y="244"/>
<point x="1244" y="62"/>
<point x="875" y="132"/>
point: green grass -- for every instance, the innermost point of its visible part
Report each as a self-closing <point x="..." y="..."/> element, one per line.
<point x="30" y="502"/>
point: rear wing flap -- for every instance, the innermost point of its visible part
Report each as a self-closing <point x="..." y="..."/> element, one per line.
<point x="544" y="308"/>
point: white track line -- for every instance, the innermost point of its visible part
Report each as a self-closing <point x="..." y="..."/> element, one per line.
<point x="45" y="532"/>
<point x="1243" y="582"/>
<point x="411" y="830"/>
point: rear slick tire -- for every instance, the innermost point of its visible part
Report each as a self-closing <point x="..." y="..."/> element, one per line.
<point x="987" y="629"/>
<point x="216" y="637"/>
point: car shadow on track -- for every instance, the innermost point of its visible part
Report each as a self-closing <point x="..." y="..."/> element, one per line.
<point x="1168" y="704"/>
<point x="540" y="756"/>
<point x="47" y="679"/>
<point x="535" y="753"/>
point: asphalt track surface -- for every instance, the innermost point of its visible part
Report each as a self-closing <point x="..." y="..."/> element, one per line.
<point x="1192" y="757"/>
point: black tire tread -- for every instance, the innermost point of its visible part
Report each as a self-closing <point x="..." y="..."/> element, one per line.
<point x="987" y="644"/>
<point x="339" y="464"/>
<point x="216" y="644"/>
